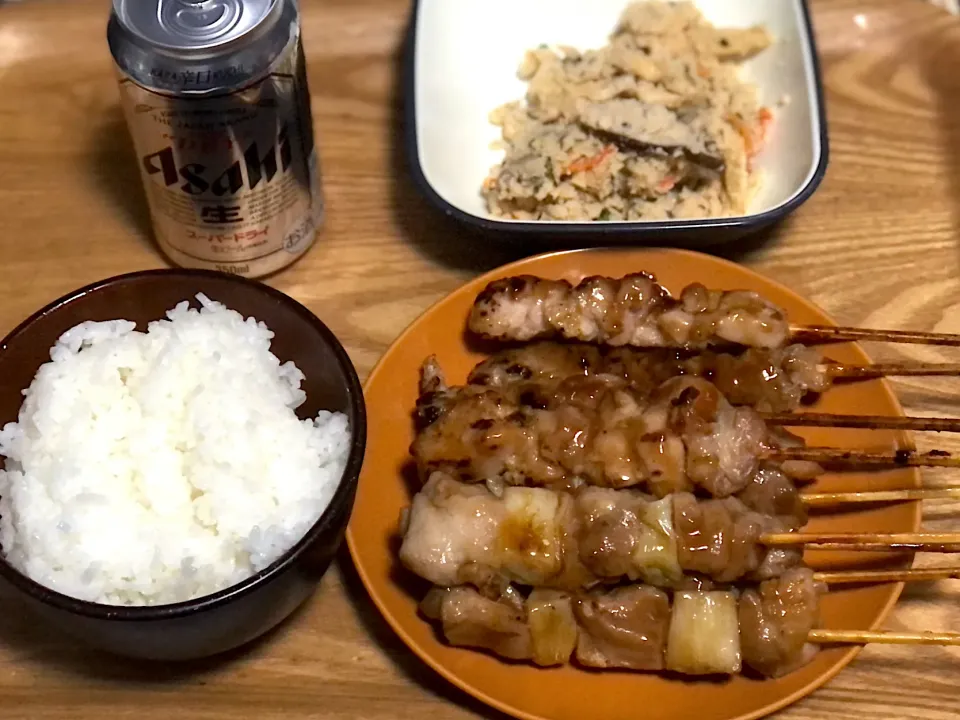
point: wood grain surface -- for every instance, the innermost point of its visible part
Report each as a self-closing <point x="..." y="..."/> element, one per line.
<point x="877" y="245"/>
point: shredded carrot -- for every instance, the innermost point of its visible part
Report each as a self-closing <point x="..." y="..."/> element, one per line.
<point x="753" y="140"/>
<point x="667" y="184"/>
<point x="743" y="131"/>
<point x="764" y="119"/>
<point x="703" y="71"/>
<point x="583" y="163"/>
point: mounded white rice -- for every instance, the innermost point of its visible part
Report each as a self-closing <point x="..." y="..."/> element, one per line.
<point x="154" y="467"/>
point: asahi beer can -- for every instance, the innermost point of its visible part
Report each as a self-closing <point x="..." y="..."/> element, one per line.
<point x="215" y="96"/>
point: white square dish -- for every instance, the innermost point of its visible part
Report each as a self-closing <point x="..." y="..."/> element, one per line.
<point x="463" y="63"/>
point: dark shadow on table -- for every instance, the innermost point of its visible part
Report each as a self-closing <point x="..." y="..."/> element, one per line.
<point x="930" y="592"/>
<point x="25" y="635"/>
<point x="937" y="54"/>
<point x="403" y="658"/>
<point x="114" y="169"/>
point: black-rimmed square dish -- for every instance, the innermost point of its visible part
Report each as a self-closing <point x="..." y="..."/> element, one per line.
<point x="462" y="63"/>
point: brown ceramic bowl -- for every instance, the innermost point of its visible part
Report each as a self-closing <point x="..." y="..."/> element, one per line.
<point x="236" y="615"/>
<point x="570" y="693"/>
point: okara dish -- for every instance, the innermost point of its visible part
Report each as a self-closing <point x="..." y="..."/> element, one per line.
<point x="656" y="125"/>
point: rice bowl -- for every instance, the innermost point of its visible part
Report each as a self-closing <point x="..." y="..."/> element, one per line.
<point x="156" y="467"/>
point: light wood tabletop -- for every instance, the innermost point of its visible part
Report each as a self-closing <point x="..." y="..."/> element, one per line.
<point x="877" y="245"/>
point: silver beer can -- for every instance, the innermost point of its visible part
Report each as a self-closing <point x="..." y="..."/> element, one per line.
<point x="215" y="96"/>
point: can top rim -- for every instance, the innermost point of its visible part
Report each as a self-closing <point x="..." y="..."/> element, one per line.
<point x="193" y="25"/>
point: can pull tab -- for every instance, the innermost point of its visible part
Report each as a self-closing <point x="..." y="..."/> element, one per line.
<point x="207" y="19"/>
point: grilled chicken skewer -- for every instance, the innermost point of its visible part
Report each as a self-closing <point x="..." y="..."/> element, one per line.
<point x="595" y="430"/>
<point x="639" y="627"/>
<point x="768" y="380"/>
<point x="859" y="577"/>
<point x="770" y="629"/>
<point x="777" y="380"/>
<point x="822" y="499"/>
<point x="598" y="430"/>
<point x="455" y="534"/>
<point x="633" y="310"/>
<point x="637" y="311"/>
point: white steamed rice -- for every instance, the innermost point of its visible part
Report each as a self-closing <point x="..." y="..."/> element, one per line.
<point x="154" y="467"/>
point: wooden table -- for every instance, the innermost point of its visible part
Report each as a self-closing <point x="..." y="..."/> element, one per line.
<point x="877" y="245"/>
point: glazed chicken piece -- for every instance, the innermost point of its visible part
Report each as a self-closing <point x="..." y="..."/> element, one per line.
<point x="541" y="628"/>
<point x="477" y="434"/>
<point x="773" y="494"/>
<point x="605" y="310"/>
<point x="633" y="310"/>
<point x="723" y="443"/>
<point x="776" y="497"/>
<point x="582" y="430"/>
<point x="768" y="380"/>
<point x="625" y="534"/>
<point x="469" y="619"/>
<point x="719" y="538"/>
<point x="776" y="618"/>
<point x="623" y="628"/>
<point x="543" y="363"/>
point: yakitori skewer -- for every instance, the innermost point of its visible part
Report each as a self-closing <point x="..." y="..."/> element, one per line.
<point x="824" y="499"/>
<point x="635" y="310"/>
<point x="917" y="541"/>
<point x="826" y="333"/>
<point x="839" y="371"/>
<point x="851" y="577"/>
<point x="593" y="430"/>
<point x="881" y="637"/>
<point x="455" y="533"/>
<point x="596" y="430"/>
<point x="770" y="629"/>
<point x="869" y="422"/>
<point x="773" y="380"/>
<point x="837" y="458"/>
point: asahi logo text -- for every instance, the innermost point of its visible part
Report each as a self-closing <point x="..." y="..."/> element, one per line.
<point x="196" y="178"/>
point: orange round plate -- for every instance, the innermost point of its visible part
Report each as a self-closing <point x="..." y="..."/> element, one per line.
<point x="571" y="693"/>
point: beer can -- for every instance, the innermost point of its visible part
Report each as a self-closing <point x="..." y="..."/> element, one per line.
<point x="215" y="96"/>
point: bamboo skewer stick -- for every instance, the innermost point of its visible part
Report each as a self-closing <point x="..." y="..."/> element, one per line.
<point x="823" y="333"/>
<point x="839" y="371"/>
<point x="846" y="577"/>
<point x="872" y="422"/>
<point x="883" y="637"/>
<point x="919" y="541"/>
<point x="875" y="496"/>
<point x="837" y="457"/>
